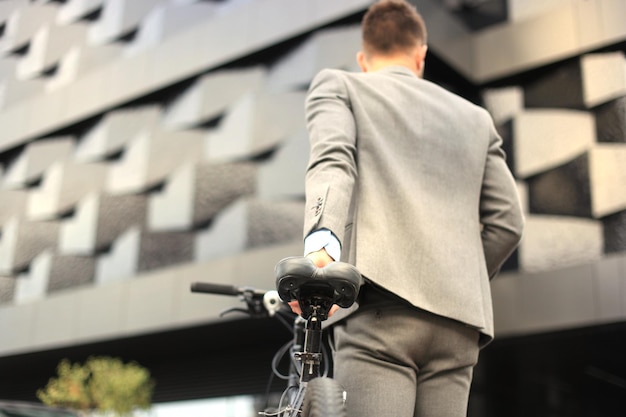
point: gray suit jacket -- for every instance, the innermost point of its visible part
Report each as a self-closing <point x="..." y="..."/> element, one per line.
<point x="413" y="181"/>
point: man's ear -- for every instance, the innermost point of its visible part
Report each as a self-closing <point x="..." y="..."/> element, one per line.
<point x="420" y="57"/>
<point x="361" y="59"/>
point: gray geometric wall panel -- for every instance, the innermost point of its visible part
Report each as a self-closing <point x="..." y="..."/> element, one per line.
<point x="33" y="284"/>
<point x="611" y="121"/>
<point x="22" y="23"/>
<point x="63" y="185"/>
<point x="158" y="250"/>
<point x="74" y="10"/>
<point x="70" y="272"/>
<point x="564" y="190"/>
<point x="560" y="88"/>
<point x="117" y="214"/>
<point x="114" y="130"/>
<point x="552" y="242"/>
<point x="615" y="232"/>
<point x="503" y="103"/>
<point x="274" y="222"/>
<point x="195" y="194"/>
<point x="22" y="241"/>
<point x="255" y="124"/>
<point x="210" y="96"/>
<point x="35" y="159"/>
<point x="15" y="91"/>
<point x="608" y="178"/>
<point x="13" y="205"/>
<point x="331" y="48"/>
<point x="219" y="185"/>
<point x="590" y="80"/>
<point x="544" y="139"/>
<point x="504" y="50"/>
<point x="226" y="235"/>
<point x="150" y="157"/>
<point x="118" y="19"/>
<point x="7" y="289"/>
<point x="292" y="157"/>
<point x="98" y="221"/>
<point x="120" y="263"/>
<point x="171" y="208"/>
<point x="46" y="48"/>
<point x="49" y="273"/>
<point x="604" y="77"/>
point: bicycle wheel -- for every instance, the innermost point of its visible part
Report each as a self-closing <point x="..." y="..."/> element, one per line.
<point x="323" y="398"/>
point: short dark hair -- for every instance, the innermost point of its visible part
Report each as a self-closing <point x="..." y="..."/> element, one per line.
<point x="391" y="26"/>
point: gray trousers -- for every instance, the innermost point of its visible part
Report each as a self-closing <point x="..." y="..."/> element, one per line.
<point x="395" y="360"/>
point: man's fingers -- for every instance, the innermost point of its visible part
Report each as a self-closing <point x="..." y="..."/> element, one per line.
<point x="295" y="307"/>
<point x="320" y="258"/>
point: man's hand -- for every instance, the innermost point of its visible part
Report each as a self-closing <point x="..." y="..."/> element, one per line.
<point x="295" y="307"/>
<point x="320" y="258"/>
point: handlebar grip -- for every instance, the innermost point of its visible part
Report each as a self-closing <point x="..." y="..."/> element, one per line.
<point x="222" y="289"/>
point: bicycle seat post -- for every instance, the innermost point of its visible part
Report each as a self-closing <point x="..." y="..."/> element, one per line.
<point x="311" y="357"/>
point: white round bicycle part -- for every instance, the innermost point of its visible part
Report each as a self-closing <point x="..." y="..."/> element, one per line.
<point x="272" y="302"/>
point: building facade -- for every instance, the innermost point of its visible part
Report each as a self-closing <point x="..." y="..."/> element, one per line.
<point x="148" y="144"/>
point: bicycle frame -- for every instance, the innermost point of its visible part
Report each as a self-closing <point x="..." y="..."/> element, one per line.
<point x="306" y="351"/>
<point x="316" y="289"/>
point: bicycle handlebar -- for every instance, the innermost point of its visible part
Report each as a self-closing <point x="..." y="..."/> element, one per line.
<point x="223" y="289"/>
<point x="260" y="302"/>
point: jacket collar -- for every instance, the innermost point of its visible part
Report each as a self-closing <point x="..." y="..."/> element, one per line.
<point x="398" y="69"/>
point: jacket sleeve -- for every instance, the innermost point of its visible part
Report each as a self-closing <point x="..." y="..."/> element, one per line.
<point x="500" y="209"/>
<point x="332" y="168"/>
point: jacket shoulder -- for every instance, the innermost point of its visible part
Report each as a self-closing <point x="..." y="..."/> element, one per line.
<point x="330" y="74"/>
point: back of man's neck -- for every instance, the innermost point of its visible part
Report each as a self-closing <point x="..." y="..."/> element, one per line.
<point x="379" y="63"/>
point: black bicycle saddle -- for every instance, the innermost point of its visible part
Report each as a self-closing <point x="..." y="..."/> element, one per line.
<point x="297" y="278"/>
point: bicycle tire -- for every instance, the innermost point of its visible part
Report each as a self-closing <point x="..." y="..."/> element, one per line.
<point x="323" y="398"/>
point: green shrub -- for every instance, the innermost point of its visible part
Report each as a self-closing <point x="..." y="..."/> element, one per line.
<point x="102" y="384"/>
